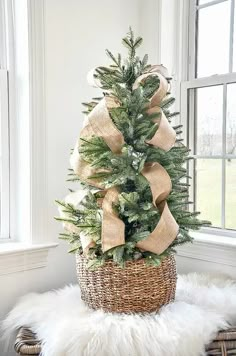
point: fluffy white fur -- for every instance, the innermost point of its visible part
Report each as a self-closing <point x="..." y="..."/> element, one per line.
<point x="204" y="304"/>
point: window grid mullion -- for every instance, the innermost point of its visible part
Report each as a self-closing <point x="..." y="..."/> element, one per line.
<point x="195" y="128"/>
<point x="215" y="156"/>
<point x="224" y="153"/>
<point x="191" y="134"/>
<point x="223" y="195"/>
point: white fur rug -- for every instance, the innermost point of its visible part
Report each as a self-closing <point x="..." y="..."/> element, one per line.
<point x="204" y="304"/>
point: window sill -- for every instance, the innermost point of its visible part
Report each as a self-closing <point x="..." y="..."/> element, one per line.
<point x="212" y="248"/>
<point x="19" y="257"/>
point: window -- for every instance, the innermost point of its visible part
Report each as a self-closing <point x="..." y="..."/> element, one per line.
<point x="208" y="107"/>
<point x="4" y="122"/>
<point x="23" y="168"/>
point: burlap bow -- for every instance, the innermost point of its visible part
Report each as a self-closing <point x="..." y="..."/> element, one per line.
<point x="100" y="124"/>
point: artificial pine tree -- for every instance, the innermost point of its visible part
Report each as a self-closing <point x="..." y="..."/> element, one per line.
<point x="131" y="84"/>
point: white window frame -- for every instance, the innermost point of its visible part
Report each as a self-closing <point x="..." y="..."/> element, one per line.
<point x="4" y="139"/>
<point x="29" y="241"/>
<point x="5" y="174"/>
<point x="187" y="96"/>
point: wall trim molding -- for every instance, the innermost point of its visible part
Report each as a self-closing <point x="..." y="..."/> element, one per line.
<point x="222" y="252"/>
<point x="17" y="257"/>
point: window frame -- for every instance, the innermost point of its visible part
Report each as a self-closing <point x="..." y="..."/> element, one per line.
<point x="5" y="160"/>
<point x="187" y="98"/>
<point x="4" y="122"/>
<point x="23" y="51"/>
<point x="30" y="237"/>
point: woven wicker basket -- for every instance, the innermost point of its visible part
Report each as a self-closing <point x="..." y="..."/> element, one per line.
<point x="137" y="288"/>
<point x="223" y="345"/>
<point x="26" y="343"/>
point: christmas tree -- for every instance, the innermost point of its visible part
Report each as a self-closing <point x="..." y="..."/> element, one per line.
<point x="132" y="165"/>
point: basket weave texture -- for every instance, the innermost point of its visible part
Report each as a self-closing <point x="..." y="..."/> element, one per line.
<point x="26" y="343"/>
<point x="137" y="288"/>
<point x="223" y="345"/>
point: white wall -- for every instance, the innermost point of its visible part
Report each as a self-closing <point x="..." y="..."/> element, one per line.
<point x="76" y="34"/>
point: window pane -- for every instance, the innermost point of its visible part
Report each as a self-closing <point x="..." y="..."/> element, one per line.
<point x="209" y="104"/>
<point x="208" y="189"/>
<point x="230" y="194"/>
<point x="213" y="39"/>
<point x="231" y="120"/>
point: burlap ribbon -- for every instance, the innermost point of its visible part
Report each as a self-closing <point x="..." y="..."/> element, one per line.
<point x="100" y="124"/>
<point x="113" y="228"/>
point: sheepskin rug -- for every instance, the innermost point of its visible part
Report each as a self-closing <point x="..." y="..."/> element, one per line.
<point x="204" y="304"/>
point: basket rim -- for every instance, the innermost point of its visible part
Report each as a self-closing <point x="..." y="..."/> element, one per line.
<point x="128" y="262"/>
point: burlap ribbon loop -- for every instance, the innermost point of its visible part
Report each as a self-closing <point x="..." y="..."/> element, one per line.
<point x="164" y="233"/>
<point x="113" y="228"/>
<point x="165" y="136"/>
<point x="159" y="181"/>
<point x="100" y="124"/>
<point x="161" y="91"/>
